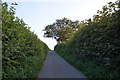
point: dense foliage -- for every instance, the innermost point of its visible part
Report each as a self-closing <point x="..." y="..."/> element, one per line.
<point x="95" y="48"/>
<point x="0" y="40"/>
<point x="23" y="52"/>
<point x="61" y="30"/>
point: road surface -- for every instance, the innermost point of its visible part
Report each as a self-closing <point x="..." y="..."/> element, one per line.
<point x="56" y="67"/>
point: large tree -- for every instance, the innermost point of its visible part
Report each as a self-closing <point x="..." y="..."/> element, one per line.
<point x="61" y="30"/>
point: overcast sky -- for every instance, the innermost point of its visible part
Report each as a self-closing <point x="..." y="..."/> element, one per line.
<point x="40" y="13"/>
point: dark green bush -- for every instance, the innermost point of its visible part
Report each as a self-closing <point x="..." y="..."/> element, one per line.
<point x="95" y="47"/>
<point x="23" y="52"/>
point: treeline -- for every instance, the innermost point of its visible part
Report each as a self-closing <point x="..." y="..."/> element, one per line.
<point x="95" y="47"/>
<point x="23" y="52"/>
<point x="61" y="30"/>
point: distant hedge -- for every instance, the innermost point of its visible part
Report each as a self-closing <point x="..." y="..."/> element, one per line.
<point x="23" y="52"/>
<point x="95" y="48"/>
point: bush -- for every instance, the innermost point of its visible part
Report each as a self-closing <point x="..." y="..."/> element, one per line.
<point x="95" y="47"/>
<point x="23" y="52"/>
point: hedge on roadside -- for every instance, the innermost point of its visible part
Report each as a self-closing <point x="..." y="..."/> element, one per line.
<point x="23" y="52"/>
<point x="95" y="48"/>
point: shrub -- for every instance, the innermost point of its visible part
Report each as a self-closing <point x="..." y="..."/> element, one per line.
<point x="95" y="47"/>
<point x="23" y="52"/>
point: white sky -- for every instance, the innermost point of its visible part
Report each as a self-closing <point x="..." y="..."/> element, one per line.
<point x="40" y="13"/>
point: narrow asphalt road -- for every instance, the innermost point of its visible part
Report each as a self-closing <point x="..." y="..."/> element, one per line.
<point x="56" y="67"/>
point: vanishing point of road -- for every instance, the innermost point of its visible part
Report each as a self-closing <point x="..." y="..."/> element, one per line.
<point x="56" y="67"/>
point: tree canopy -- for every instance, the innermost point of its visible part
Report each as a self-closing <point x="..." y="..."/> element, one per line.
<point x="61" y="30"/>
